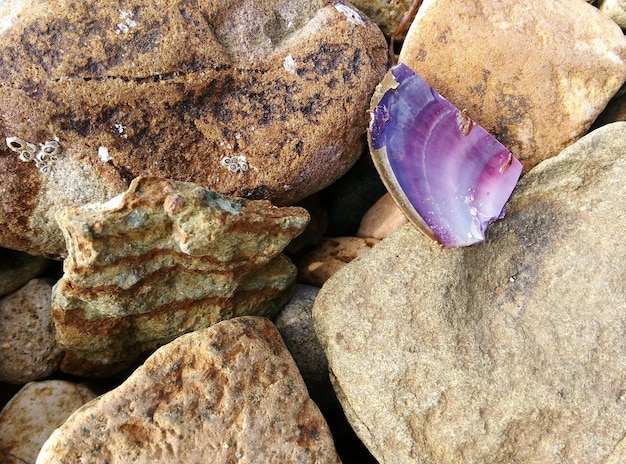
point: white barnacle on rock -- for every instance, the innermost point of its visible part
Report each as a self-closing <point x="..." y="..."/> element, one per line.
<point x="44" y="157"/>
<point x="353" y="16"/>
<point x="103" y="154"/>
<point x="235" y="163"/>
<point x="127" y="22"/>
<point x="289" y="64"/>
<point x="26" y="150"/>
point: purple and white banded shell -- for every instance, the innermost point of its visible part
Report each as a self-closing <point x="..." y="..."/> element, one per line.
<point x="449" y="176"/>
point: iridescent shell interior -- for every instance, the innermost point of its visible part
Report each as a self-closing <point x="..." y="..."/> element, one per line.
<point x="450" y="177"/>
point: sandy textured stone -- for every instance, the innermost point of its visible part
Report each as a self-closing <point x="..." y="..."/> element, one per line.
<point x="614" y="9"/>
<point x="318" y="265"/>
<point x="17" y="268"/>
<point x="536" y="98"/>
<point x="295" y="324"/>
<point x="34" y="413"/>
<point x="163" y="259"/>
<point x="512" y="350"/>
<point x="260" y="99"/>
<point x="382" y="219"/>
<point x="229" y="393"/>
<point x="28" y="347"/>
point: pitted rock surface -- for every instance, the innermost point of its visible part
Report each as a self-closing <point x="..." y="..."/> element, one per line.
<point x="257" y="99"/>
<point x="533" y="75"/>
<point x="163" y="259"/>
<point x="229" y="393"/>
<point x="28" y="347"/>
<point x="31" y="416"/>
<point x="511" y="350"/>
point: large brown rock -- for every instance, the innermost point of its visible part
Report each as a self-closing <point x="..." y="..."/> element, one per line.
<point x="230" y="393"/>
<point x="163" y="259"/>
<point x="534" y="74"/>
<point x="512" y="350"/>
<point x="258" y="99"/>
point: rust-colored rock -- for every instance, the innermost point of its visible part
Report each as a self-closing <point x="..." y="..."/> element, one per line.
<point x="229" y="393"/>
<point x="258" y="99"/>
<point x="163" y="259"/>
<point x="534" y="74"/>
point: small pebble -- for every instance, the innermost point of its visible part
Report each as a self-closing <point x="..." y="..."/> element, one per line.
<point x="27" y="334"/>
<point x="295" y="325"/>
<point x="318" y="265"/>
<point x="383" y="218"/>
<point x="17" y="268"/>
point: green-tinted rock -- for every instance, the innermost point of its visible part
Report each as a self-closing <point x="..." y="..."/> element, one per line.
<point x="163" y="259"/>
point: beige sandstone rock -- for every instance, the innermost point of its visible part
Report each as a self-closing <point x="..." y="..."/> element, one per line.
<point x="512" y="350"/>
<point x="260" y="99"/>
<point x="33" y="414"/>
<point x="163" y="259"/>
<point x="316" y="266"/>
<point x="382" y="219"/>
<point x="28" y="349"/>
<point x="230" y="393"/>
<point x="535" y="75"/>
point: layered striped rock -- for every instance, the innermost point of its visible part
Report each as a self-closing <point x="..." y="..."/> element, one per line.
<point x="163" y="259"/>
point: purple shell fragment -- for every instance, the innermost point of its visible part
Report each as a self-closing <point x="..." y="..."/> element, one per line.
<point x="450" y="177"/>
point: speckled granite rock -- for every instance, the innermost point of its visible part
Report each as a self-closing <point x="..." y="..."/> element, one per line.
<point x="535" y="75"/>
<point x="33" y="414"/>
<point x="17" y="268"/>
<point x="28" y="347"/>
<point x="512" y="350"/>
<point x="163" y="259"/>
<point x="263" y="100"/>
<point x="229" y="393"/>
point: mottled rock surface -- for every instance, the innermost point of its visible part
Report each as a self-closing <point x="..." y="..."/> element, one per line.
<point x="317" y="265"/>
<point x="17" y="268"/>
<point x="258" y="99"/>
<point x="229" y="393"/>
<point x="512" y="350"/>
<point x="33" y="414"/>
<point x="536" y="98"/>
<point x="295" y="324"/>
<point x="28" y="348"/>
<point x="163" y="259"/>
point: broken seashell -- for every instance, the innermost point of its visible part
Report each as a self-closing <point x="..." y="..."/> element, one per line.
<point x="448" y="175"/>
